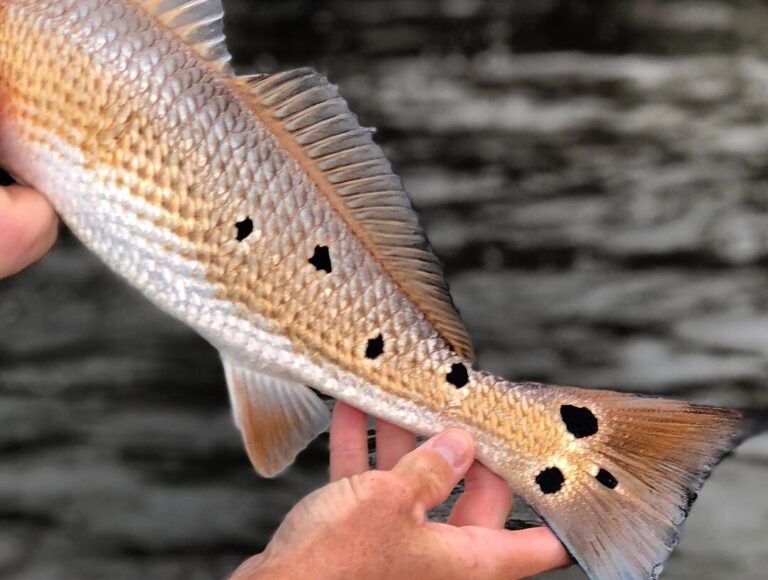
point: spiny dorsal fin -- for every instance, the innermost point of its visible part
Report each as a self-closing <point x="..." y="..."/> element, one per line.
<point x="199" y="23"/>
<point x="308" y="115"/>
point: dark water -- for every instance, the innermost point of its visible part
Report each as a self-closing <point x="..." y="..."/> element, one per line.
<point x="593" y="175"/>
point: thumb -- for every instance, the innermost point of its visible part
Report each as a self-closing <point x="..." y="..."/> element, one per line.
<point x="28" y="228"/>
<point x="432" y="470"/>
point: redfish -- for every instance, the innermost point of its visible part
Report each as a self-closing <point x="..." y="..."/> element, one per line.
<point x="258" y="211"/>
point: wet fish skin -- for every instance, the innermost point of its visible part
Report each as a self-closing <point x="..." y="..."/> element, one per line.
<point x="155" y="182"/>
<point x="257" y="211"/>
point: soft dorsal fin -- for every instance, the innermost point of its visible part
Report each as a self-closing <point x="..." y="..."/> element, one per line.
<point x="310" y="118"/>
<point x="199" y="23"/>
<point x="253" y="78"/>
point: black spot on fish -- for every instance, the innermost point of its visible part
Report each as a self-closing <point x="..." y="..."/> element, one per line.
<point x="321" y="259"/>
<point x="458" y="376"/>
<point x="606" y="478"/>
<point x="375" y="347"/>
<point x="244" y="229"/>
<point x="550" y="480"/>
<point x="579" y="421"/>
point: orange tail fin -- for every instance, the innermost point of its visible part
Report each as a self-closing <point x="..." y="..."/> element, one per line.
<point x="620" y="519"/>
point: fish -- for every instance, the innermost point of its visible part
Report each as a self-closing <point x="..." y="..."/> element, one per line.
<point x="257" y="210"/>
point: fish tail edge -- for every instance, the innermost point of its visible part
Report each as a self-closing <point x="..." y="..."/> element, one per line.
<point x="650" y="459"/>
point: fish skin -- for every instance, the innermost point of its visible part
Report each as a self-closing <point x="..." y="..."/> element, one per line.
<point x="152" y="155"/>
<point x="155" y="183"/>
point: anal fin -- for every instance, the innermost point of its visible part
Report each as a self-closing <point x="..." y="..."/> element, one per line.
<point x="277" y="418"/>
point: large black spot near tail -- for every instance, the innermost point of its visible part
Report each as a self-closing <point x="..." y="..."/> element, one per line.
<point x="579" y="421"/>
<point x="550" y="480"/>
<point x="321" y="259"/>
<point x="606" y="478"/>
<point x="244" y="229"/>
<point x="375" y="347"/>
<point x="458" y="376"/>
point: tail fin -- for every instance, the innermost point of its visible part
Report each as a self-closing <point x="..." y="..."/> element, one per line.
<point x="621" y="516"/>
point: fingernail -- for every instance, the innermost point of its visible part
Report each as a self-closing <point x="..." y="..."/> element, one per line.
<point x="454" y="447"/>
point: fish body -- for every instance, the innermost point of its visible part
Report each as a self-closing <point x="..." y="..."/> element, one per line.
<point x="259" y="212"/>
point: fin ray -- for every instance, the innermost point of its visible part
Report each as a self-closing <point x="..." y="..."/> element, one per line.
<point x="277" y="418"/>
<point x="199" y="23"/>
<point x="313" y="120"/>
<point x="620" y="519"/>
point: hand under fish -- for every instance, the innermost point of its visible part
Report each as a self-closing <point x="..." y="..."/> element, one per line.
<point x="371" y="523"/>
<point x="257" y="210"/>
<point x="28" y="228"/>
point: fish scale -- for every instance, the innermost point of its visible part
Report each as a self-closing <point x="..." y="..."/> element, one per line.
<point x="127" y="115"/>
<point x="275" y="212"/>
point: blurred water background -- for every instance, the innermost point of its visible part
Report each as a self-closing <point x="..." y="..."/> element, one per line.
<point x="594" y="175"/>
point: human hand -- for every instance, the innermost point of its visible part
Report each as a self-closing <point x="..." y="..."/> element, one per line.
<point x="372" y="524"/>
<point x="28" y="228"/>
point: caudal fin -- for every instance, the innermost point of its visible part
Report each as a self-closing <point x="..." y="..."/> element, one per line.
<point x="620" y="516"/>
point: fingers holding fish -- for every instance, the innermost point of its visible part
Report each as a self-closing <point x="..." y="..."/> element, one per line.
<point x="432" y="470"/>
<point x="392" y="442"/>
<point x="521" y="553"/>
<point x="532" y="551"/>
<point x="28" y="228"/>
<point x="486" y="501"/>
<point x="348" y="442"/>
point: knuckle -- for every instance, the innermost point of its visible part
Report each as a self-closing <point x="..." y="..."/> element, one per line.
<point x="433" y="465"/>
<point x="349" y="453"/>
<point x="358" y="488"/>
<point x="377" y="482"/>
<point x="433" y="483"/>
<point x="427" y="474"/>
<point x="347" y="449"/>
<point x="380" y="492"/>
<point x="391" y="488"/>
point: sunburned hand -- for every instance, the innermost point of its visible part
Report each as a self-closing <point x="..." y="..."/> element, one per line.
<point x="372" y="524"/>
<point x="28" y="228"/>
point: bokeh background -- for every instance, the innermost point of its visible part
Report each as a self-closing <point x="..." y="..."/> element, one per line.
<point x="594" y="175"/>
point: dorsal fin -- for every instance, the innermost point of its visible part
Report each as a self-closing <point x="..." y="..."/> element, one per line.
<point x="199" y="23"/>
<point x="310" y="118"/>
<point x="253" y="78"/>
